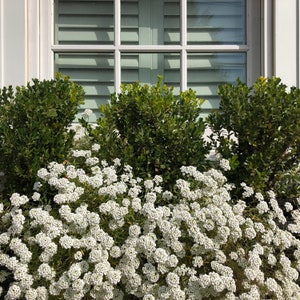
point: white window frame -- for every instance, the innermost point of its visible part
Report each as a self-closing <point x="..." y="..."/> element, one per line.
<point x="251" y="52"/>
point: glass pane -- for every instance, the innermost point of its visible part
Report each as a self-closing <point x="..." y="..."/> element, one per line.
<point x="216" y="22"/>
<point x="206" y="71"/>
<point x="94" y="72"/>
<point x="146" y="67"/>
<point x="84" y="22"/>
<point x="150" y="22"/>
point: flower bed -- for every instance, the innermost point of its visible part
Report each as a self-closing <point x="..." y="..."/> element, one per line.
<point x="91" y="233"/>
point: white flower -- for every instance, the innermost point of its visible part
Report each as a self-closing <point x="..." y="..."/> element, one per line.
<point x="4" y="238"/>
<point x="224" y="164"/>
<point x="78" y="255"/>
<point x="20" y="249"/>
<point x="45" y="271"/>
<point x="259" y="196"/>
<point x="93" y="219"/>
<point x="20" y="271"/>
<point x="31" y="294"/>
<point x="147" y="243"/>
<point x="262" y="207"/>
<point x="74" y="271"/>
<point x="113" y="276"/>
<point x="96" y="255"/>
<point x="63" y="282"/>
<point x="250" y="273"/>
<point x="288" y="206"/>
<point x="66" y="242"/>
<point x="172" y="261"/>
<point x="134" y="230"/>
<point x="150" y="197"/>
<point x="136" y="204"/>
<point x="43" y="173"/>
<point x="149" y="184"/>
<point x="14" y="292"/>
<point x="271" y="284"/>
<point x="17" y="200"/>
<point x="157" y="179"/>
<point x="204" y="280"/>
<point x="160" y="255"/>
<point x="172" y="279"/>
<point x="95" y="147"/>
<point x="42" y="293"/>
<point x="134" y="280"/>
<point x="250" y="233"/>
<point x="248" y="191"/>
<point x="91" y="161"/>
<point x="87" y="112"/>
<point x="148" y="297"/>
<point x="89" y="242"/>
<point x="272" y="259"/>
<point x="78" y="285"/>
<point x="197" y="261"/>
<point x="217" y="282"/>
<point x="115" y="252"/>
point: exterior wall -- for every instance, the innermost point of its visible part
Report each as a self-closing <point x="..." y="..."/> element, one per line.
<point x="287" y="41"/>
<point x="25" y="41"/>
<point x="26" y="35"/>
<point x="13" y="49"/>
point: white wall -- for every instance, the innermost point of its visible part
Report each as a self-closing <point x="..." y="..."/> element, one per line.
<point x="12" y="42"/>
<point x="25" y="41"/>
<point x="286" y="41"/>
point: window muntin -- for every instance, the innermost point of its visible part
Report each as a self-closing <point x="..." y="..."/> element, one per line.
<point x="102" y="44"/>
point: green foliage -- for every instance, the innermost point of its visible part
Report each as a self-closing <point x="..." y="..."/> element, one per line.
<point x="258" y="129"/>
<point x="287" y="185"/>
<point x="152" y="130"/>
<point x="34" y="122"/>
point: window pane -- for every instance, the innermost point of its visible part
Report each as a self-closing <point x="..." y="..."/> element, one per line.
<point x="150" y="22"/>
<point x="216" y="22"/>
<point x="206" y="71"/>
<point x="84" y="22"/>
<point x="146" y="67"/>
<point x="94" y="72"/>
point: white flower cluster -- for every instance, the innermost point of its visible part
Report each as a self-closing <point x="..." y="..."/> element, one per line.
<point x="106" y="237"/>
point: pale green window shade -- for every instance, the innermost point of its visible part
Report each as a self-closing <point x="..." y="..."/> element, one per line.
<point x="154" y="22"/>
<point x="87" y="29"/>
<point x="206" y="71"/>
<point x="216" y="22"/>
<point x="146" y="67"/>
<point x="172" y="22"/>
<point x="84" y="22"/>
<point x="94" y="72"/>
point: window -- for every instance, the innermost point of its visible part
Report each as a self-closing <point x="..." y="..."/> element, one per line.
<point x="194" y="44"/>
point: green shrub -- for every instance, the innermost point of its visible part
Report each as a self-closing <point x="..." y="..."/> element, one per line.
<point x="258" y="129"/>
<point x="152" y="130"/>
<point x="287" y="186"/>
<point x="34" y="122"/>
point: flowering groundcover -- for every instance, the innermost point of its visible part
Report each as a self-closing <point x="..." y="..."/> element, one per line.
<point x="91" y="233"/>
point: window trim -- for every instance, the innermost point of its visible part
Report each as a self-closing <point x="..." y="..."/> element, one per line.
<point x="42" y="13"/>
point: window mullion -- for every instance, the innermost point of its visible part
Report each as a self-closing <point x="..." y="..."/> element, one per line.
<point x="117" y="33"/>
<point x="183" y="36"/>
